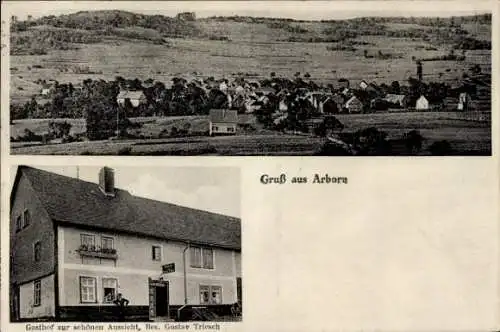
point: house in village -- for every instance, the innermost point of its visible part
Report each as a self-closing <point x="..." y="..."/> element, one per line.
<point x="75" y="245"/>
<point x="317" y="99"/>
<point x="331" y="104"/>
<point x="463" y="101"/>
<point x="136" y="98"/>
<point x="354" y="105"/>
<point x="363" y="85"/>
<point x="223" y="122"/>
<point x="46" y="91"/>
<point x="397" y="100"/>
<point x="422" y="103"/>
<point x="265" y="91"/>
<point x="282" y="106"/>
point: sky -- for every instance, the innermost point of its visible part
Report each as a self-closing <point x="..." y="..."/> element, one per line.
<point x="214" y="189"/>
<point x="306" y="10"/>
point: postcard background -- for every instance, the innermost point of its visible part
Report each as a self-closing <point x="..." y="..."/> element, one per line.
<point x="408" y="244"/>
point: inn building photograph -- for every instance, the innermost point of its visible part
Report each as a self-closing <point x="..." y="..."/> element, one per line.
<point x="125" y="244"/>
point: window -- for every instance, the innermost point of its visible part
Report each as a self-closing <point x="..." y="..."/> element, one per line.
<point x="202" y="258"/>
<point x="195" y="257"/>
<point x="37" y="248"/>
<point x="230" y="129"/>
<point x="19" y="223"/>
<point x="156" y="253"/>
<point x="107" y="242"/>
<point x="26" y="218"/>
<point x="109" y="286"/>
<point x="208" y="258"/>
<point x="87" y="290"/>
<point x="216" y="295"/>
<point x="210" y="294"/>
<point x="87" y="241"/>
<point x="37" y="293"/>
<point x="215" y="128"/>
<point x="204" y="294"/>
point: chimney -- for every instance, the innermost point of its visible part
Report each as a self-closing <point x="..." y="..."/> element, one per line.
<point x="107" y="181"/>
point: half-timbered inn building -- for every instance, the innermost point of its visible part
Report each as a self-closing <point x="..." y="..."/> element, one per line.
<point x="76" y="245"/>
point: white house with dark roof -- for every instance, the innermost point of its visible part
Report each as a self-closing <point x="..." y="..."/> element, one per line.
<point x="136" y="97"/>
<point x="422" y="103"/>
<point x="223" y="122"/>
<point x="75" y="245"/>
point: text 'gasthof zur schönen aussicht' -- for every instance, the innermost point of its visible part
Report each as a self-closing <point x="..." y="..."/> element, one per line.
<point x="315" y="179"/>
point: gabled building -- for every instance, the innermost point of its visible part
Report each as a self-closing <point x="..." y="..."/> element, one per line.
<point x="74" y="245"/>
<point x="363" y="85"/>
<point x="354" y="105"/>
<point x="397" y="100"/>
<point x="136" y="97"/>
<point x="463" y="101"/>
<point x="223" y="122"/>
<point x="422" y="103"/>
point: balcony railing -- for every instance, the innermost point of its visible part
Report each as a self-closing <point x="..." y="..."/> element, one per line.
<point x="97" y="252"/>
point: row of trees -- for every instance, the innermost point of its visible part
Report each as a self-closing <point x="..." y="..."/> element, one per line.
<point x="374" y="142"/>
<point x="102" y="20"/>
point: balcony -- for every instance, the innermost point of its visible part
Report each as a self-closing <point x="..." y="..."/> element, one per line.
<point x="97" y="252"/>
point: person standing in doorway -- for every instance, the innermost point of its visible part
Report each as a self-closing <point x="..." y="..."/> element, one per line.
<point x="121" y="303"/>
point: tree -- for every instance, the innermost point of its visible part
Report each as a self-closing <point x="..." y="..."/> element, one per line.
<point x="59" y="129"/>
<point x="371" y="141"/>
<point x="395" y="87"/>
<point x="441" y="148"/>
<point x="413" y="141"/>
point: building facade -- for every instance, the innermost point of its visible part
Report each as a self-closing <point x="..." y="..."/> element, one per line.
<point x="70" y="257"/>
<point x="223" y="122"/>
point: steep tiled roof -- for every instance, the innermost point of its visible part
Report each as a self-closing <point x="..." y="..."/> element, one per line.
<point x="80" y="203"/>
<point x="219" y="115"/>
<point x="130" y="94"/>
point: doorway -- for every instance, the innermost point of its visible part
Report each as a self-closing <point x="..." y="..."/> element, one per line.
<point x="158" y="299"/>
<point x="161" y="301"/>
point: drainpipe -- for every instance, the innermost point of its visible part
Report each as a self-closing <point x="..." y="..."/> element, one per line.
<point x="185" y="272"/>
<point x="185" y="281"/>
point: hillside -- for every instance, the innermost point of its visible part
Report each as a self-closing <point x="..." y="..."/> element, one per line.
<point x="66" y="32"/>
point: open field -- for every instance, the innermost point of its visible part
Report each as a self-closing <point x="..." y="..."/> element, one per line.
<point x="464" y="135"/>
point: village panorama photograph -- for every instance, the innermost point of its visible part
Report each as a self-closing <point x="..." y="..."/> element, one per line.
<point x="249" y="79"/>
<point x="125" y="244"/>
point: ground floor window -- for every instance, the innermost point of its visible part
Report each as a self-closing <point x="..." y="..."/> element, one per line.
<point x="88" y="290"/>
<point x="37" y="293"/>
<point x="210" y="294"/>
<point x="109" y="286"/>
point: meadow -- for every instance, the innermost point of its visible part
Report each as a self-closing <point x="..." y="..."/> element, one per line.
<point x="462" y="133"/>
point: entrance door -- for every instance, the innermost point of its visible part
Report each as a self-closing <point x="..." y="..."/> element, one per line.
<point x="162" y="300"/>
<point x="239" y="292"/>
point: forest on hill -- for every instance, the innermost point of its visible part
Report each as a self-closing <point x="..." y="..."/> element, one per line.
<point x="38" y="36"/>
